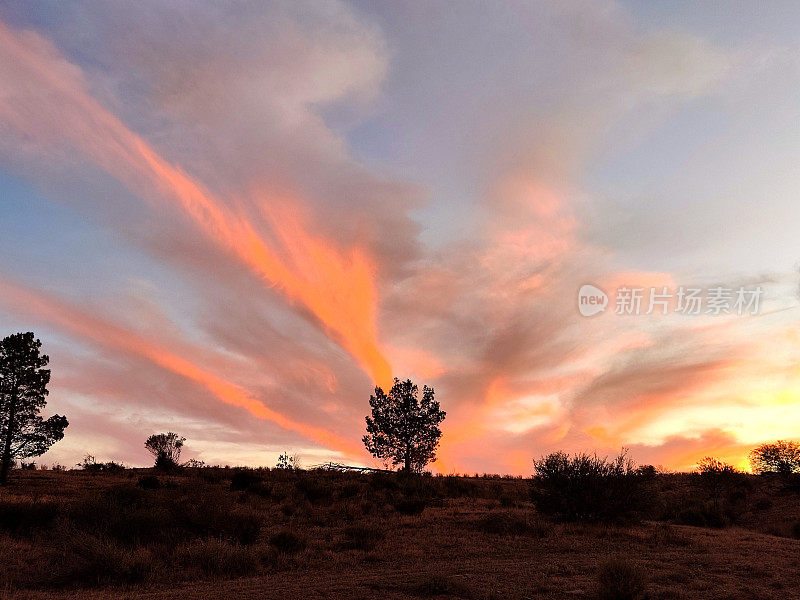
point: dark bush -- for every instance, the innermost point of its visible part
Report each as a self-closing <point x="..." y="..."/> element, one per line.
<point x="703" y="516"/>
<point x="288" y="542"/>
<point x="350" y="489"/>
<point x="313" y="489"/>
<point x="216" y="518"/>
<point x="647" y="471"/>
<point x="90" y="465"/>
<point x="260" y="489"/>
<point x="410" y="506"/>
<point x="691" y="516"/>
<point x="25" y="516"/>
<point x="361" y="537"/>
<point x="213" y="557"/>
<point x="122" y="518"/>
<point x="588" y="488"/>
<point x="458" y="487"/>
<point x="620" y="580"/>
<point x="242" y="479"/>
<point x="87" y="559"/>
<point x="149" y="482"/>
<point x="507" y="500"/>
<point x="512" y="523"/>
<point x="384" y="481"/>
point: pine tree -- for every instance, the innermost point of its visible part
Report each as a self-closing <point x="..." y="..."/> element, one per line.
<point x="403" y="428"/>
<point x="23" y="391"/>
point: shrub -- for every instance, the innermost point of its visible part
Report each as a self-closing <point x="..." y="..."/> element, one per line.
<point x="166" y="449"/>
<point x="361" y="537"/>
<point x="288" y="463"/>
<point x="648" y="471"/>
<point x="350" y="489"/>
<point x="87" y="559"/>
<point x="381" y="480"/>
<point x="507" y="500"/>
<point x="90" y="464"/>
<point x="243" y="479"/>
<point x="511" y="523"/>
<point x="703" y="516"/>
<point x="588" y="488"/>
<point x="692" y="516"/>
<point x="716" y="477"/>
<point x="314" y="490"/>
<point x="149" y="482"/>
<point x="213" y="557"/>
<point x="458" y="487"/>
<point x="214" y="517"/>
<point x="24" y="516"/>
<point x="410" y="506"/>
<point x="288" y="542"/>
<point x="165" y="464"/>
<point x="620" y="580"/>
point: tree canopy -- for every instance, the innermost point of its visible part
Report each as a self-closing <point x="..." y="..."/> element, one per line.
<point x="166" y="448"/>
<point x="778" y="457"/>
<point x="23" y="392"/>
<point x="403" y="428"/>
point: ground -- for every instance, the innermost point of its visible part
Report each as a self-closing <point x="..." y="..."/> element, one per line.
<point x="349" y="536"/>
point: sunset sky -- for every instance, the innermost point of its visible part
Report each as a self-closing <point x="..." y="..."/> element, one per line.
<point x="233" y="220"/>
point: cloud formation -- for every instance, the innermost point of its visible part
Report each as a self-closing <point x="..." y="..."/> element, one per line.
<point x="336" y="195"/>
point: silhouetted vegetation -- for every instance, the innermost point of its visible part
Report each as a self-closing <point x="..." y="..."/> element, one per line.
<point x="588" y="488"/>
<point x="92" y="466"/>
<point x="23" y="392"/>
<point x="618" y="579"/>
<point x="404" y="429"/>
<point x="716" y="477"/>
<point x="121" y="528"/>
<point x="781" y="457"/>
<point x="288" y="462"/>
<point x="166" y="449"/>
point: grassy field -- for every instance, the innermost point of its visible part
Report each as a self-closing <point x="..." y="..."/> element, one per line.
<point x="212" y="533"/>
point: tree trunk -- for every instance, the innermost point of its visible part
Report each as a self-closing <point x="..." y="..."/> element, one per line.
<point x="408" y="459"/>
<point x="5" y="464"/>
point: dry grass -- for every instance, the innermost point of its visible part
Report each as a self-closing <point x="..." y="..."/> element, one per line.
<point x="302" y="535"/>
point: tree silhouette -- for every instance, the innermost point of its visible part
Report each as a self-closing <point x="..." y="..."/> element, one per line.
<point x="779" y="457"/>
<point x="403" y="428"/>
<point x="166" y="448"/>
<point x="23" y="389"/>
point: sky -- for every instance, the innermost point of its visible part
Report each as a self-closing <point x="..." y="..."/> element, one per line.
<point x="234" y="220"/>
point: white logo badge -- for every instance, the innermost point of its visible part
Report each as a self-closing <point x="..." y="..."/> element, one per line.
<point x="591" y="300"/>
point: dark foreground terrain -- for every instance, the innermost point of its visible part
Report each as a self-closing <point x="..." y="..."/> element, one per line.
<point x="211" y="533"/>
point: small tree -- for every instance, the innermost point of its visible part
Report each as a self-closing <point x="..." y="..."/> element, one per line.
<point x="716" y="476"/>
<point x="404" y="429"/>
<point x="287" y="462"/>
<point x="779" y="457"/>
<point x="23" y="389"/>
<point x="166" y="448"/>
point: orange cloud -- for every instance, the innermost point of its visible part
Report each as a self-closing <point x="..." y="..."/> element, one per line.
<point x="76" y="321"/>
<point x="336" y="286"/>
